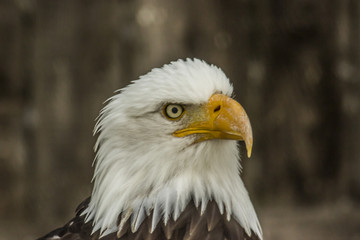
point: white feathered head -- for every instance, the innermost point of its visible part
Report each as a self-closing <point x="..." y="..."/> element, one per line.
<point x="166" y="139"/>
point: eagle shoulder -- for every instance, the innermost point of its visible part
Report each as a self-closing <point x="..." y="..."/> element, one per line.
<point x="76" y="228"/>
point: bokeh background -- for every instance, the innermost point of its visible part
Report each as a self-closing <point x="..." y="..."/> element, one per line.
<point x="295" y="65"/>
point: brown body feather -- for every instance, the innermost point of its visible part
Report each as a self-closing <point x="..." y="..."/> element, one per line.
<point x="211" y="225"/>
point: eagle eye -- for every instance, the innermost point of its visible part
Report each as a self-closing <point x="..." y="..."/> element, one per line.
<point x="173" y="111"/>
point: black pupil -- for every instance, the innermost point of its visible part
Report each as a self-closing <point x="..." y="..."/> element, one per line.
<point x="174" y="110"/>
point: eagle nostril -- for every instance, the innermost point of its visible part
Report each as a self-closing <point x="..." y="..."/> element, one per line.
<point x="217" y="109"/>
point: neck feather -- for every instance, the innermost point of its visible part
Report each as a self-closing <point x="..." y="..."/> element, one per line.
<point x="134" y="185"/>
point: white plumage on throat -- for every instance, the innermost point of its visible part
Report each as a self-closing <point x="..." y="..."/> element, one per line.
<point x="141" y="167"/>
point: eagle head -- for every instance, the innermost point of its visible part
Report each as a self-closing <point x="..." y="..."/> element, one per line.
<point x="165" y="140"/>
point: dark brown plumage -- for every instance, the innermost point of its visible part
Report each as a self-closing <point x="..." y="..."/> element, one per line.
<point x="211" y="225"/>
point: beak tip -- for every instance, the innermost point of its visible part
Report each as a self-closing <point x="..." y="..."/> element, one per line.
<point x="249" y="152"/>
<point x="248" y="145"/>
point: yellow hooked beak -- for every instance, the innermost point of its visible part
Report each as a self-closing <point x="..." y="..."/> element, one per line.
<point x="221" y="118"/>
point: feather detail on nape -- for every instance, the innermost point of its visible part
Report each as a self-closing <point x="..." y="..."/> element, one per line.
<point x="168" y="205"/>
<point x="138" y="217"/>
<point x="204" y="203"/>
<point x="123" y="221"/>
<point x="155" y="216"/>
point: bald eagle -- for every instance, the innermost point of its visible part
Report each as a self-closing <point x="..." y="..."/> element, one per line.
<point x="167" y="161"/>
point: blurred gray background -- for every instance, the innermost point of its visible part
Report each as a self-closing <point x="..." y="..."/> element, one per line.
<point x="295" y="65"/>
